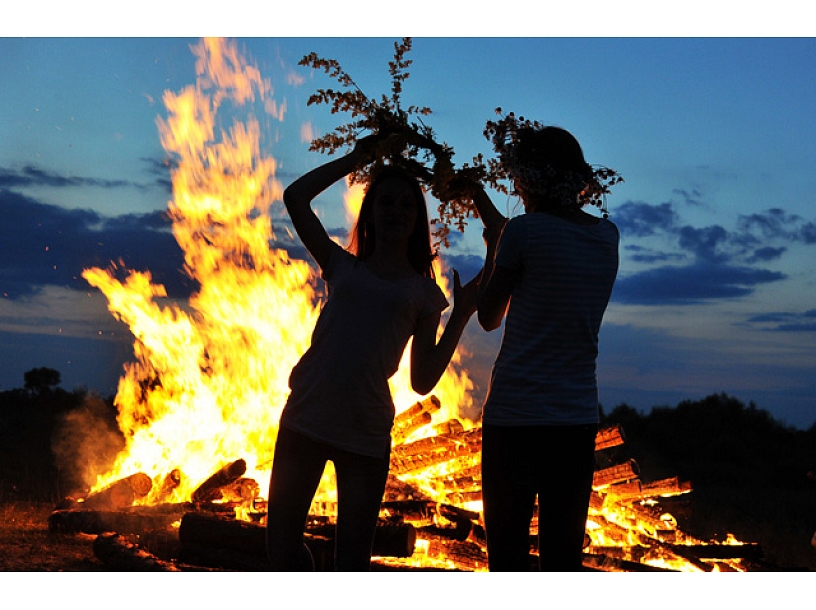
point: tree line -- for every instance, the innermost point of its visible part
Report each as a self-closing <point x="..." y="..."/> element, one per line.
<point x="52" y="440"/>
<point x="751" y="476"/>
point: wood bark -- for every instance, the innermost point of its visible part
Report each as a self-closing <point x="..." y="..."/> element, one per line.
<point x="169" y="483"/>
<point x="121" y="493"/>
<point x="134" y="520"/>
<point x="229" y="534"/>
<point x="211" y="488"/>
<point x="609" y="437"/>
<point x="665" y="487"/>
<point x="626" y="471"/>
<point x="119" y="554"/>
<point x="414" y="417"/>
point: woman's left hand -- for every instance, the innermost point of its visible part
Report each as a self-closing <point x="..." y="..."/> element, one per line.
<point x="465" y="298"/>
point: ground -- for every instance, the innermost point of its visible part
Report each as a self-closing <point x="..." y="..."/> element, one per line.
<point x="26" y="545"/>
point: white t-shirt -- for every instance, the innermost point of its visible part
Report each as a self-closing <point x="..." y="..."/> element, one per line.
<point x="544" y="373"/>
<point x="340" y="393"/>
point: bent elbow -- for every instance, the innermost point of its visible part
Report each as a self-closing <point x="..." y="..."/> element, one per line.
<point x="422" y="388"/>
<point x="488" y="323"/>
<point x="289" y="198"/>
<point x="423" y="383"/>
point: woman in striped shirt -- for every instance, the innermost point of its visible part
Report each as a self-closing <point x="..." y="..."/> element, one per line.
<point x="550" y="271"/>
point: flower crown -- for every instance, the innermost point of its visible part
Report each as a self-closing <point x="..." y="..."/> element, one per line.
<point x="569" y="188"/>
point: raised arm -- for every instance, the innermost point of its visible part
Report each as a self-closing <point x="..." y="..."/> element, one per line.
<point x="429" y="359"/>
<point x="496" y="285"/>
<point x="490" y="215"/>
<point x="298" y="198"/>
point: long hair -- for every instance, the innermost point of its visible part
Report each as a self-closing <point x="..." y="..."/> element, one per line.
<point x="363" y="235"/>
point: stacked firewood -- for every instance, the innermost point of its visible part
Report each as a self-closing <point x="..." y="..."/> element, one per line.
<point x="430" y="516"/>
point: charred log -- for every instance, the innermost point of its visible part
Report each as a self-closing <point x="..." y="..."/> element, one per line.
<point x="627" y="471"/>
<point x="605" y="563"/>
<point x="169" y="483"/>
<point x="414" y="418"/>
<point x="243" y="491"/>
<point x="229" y="534"/>
<point x="121" y="493"/>
<point x="135" y="520"/>
<point x="609" y="437"/>
<point x="665" y="487"/>
<point x="211" y="531"/>
<point x="211" y="488"/>
<point x="751" y="552"/>
<point x="116" y="552"/>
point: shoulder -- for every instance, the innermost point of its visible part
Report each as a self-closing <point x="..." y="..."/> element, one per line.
<point x="339" y="259"/>
<point x="610" y="228"/>
<point x="516" y="227"/>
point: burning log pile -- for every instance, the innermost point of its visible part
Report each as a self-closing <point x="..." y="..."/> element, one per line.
<point x="430" y="515"/>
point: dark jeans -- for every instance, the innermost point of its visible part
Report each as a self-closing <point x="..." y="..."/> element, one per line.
<point x="296" y="471"/>
<point x="555" y="463"/>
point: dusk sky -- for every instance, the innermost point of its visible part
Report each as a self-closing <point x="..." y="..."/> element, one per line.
<point x="715" y="138"/>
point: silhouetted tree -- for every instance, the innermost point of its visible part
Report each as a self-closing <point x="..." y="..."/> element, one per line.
<point x="41" y="380"/>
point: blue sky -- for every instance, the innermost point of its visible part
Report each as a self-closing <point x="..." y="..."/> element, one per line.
<point x="715" y="138"/>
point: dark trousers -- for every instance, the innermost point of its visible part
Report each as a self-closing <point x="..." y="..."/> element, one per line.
<point x="553" y="463"/>
<point x="296" y="471"/>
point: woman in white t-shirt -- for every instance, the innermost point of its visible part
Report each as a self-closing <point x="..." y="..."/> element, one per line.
<point x="550" y="271"/>
<point x="381" y="293"/>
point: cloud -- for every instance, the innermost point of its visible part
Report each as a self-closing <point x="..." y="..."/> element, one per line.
<point x="638" y="219"/>
<point x="642" y="254"/>
<point x="785" y="321"/>
<point x="691" y="197"/>
<point x="691" y="284"/>
<point x="767" y="254"/>
<point x="29" y="176"/>
<point x="49" y="245"/>
<point x="723" y="263"/>
<point x="706" y="244"/>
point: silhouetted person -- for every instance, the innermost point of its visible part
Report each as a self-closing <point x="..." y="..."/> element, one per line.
<point x="380" y="294"/>
<point x="552" y="276"/>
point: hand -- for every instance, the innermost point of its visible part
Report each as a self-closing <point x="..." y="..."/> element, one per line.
<point x="492" y="233"/>
<point x="465" y="298"/>
<point x="376" y="144"/>
<point x="365" y="148"/>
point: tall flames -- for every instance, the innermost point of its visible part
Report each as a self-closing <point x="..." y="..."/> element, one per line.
<point x="210" y="376"/>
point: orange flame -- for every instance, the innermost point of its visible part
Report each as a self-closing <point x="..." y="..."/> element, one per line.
<point x="211" y="375"/>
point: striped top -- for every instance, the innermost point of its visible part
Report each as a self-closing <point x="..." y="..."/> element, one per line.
<point x="544" y="373"/>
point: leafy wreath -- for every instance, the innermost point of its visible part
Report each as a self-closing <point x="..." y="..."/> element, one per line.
<point x="547" y="182"/>
<point x="412" y="144"/>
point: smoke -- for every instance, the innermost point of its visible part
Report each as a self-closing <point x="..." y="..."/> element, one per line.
<point x="85" y="443"/>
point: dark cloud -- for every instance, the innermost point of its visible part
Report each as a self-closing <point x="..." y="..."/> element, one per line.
<point x="767" y="254"/>
<point x="692" y="197"/>
<point x="640" y="219"/>
<point x="722" y="263"/>
<point x="30" y="175"/>
<point x="48" y="245"/>
<point x="707" y="244"/>
<point x="642" y="254"/>
<point x="785" y="321"/>
<point x="692" y="284"/>
<point x="771" y="224"/>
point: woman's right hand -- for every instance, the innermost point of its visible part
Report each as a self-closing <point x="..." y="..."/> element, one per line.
<point x="492" y="232"/>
